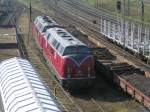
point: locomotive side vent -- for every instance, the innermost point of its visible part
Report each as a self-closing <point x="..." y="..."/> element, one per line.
<point x="50" y="21"/>
<point x="46" y="19"/>
<point x="67" y="37"/>
<point x="64" y="35"/>
<point x="58" y="30"/>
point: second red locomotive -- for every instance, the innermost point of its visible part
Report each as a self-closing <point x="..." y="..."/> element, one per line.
<point x="72" y="60"/>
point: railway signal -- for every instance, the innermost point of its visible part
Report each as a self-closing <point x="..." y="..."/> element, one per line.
<point x="118" y="5"/>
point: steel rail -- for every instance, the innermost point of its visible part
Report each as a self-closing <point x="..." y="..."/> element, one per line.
<point x="43" y="67"/>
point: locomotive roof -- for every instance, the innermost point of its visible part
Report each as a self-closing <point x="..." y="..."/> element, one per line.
<point x="64" y="37"/>
<point x="46" y="21"/>
<point x="22" y="89"/>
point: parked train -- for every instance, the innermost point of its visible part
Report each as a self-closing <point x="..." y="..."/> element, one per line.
<point x="71" y="59"/>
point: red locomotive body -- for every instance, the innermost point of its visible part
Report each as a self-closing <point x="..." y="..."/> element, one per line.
<point x="41" y="24"/>
<point x="71" y="59"/>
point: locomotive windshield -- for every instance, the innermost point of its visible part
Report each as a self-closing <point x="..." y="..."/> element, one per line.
<point x="76" y="50"/>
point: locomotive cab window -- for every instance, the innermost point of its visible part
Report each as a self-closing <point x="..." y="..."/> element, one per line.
<point x="54" y="43"/>
<point x="47" y="35"/>
<point x="39" y="26"/>
<point x="57" y="46"/>
<point x="60" y="49"/>
<point x="36" y="21"/>
<point x="43" y="29"/>
<point x="76" y="50"/>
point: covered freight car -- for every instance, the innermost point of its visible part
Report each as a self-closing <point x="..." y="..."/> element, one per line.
<point x="22" y="89"/>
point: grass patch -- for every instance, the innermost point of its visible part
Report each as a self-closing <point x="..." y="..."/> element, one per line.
<point x="132" y="9"/>
<point x="37" y="5"/>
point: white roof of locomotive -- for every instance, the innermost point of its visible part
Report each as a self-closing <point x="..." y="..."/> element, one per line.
<point x="22" y="90"/>
<point x="46" y="21"/>
<point x="64" y="37"/>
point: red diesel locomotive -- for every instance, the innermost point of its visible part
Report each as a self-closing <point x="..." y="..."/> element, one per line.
<point x="72" y="60"/>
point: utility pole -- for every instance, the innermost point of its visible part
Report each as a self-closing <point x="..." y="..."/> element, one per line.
<point x="128" y="7"/>
<point x="30" y="14"/>
<point x="96" y="3"/>
<point x="56" y="3"/>
<point x="119" y="6"/>
<point x="141" y="4"/>
<point x="123" y="14"/>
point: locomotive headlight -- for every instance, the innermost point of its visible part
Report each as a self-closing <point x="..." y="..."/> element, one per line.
<point x="68" y="75"/>
<point x="89" y="71"/>
<point x="68" y="72"/>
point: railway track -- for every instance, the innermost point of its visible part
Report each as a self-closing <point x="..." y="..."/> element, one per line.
<point x="46" y="73"/>
<point x="34" y="55"/>
<point x="93" y="105"/>
<point x="85" y="10"/>
<point x="36" y="58"/>
<point x="93" y="32"/>
<point x="147" y="1"/>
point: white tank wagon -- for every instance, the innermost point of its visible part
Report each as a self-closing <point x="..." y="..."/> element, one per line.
<point x="22" y="89"/>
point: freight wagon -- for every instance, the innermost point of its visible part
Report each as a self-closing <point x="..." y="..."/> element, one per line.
<point x="9" y="46"/>
<point x="132" y="80"/>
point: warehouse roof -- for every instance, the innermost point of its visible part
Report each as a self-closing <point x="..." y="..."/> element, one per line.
<point x="22" y="89"/>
